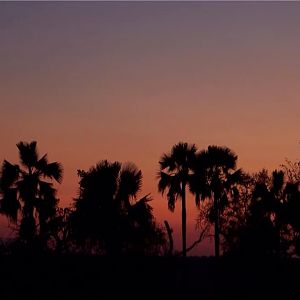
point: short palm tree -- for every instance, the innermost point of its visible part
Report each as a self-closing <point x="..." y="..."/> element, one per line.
<point x="174" y="176"/>
<point x="108" y="217"/>
<point x="269" y="204"/>
<point x="28" y="189"/>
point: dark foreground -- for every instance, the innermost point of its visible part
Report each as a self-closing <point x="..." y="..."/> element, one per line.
<point x="147" y="278"/>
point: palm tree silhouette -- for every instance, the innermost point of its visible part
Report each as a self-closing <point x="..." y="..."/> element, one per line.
<point x="270" y="202"/>
<point x="108" y="217"/>
<point x="214" y="176"/>
<point x="175" y="175"/>
<point x="27" y="189"/>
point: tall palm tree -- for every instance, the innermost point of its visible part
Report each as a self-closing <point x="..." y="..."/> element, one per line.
<point x="175" y="175"/>
<point x="27" y="188"/>
<point x="214" y="176"/>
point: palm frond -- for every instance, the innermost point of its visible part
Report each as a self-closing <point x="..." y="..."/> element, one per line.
<point x="141" y="211"/>
<point x="27" y="188"/>
<point x="9" y="174"/>
<point x="164" y="182"/>
<point x="172" y="184"/>
<point x="171" y="200"/>
<point x="130" y="180"/>
<point x="222" y="157"/>
<point x="52" y="170"/>
<point x="46" y="190"/>
<point x="42" y="162"/>
<point x="9" y="204"/>
<point x="167" y="162"/>
<point x="184" y="154"/>
<point x="47" y="202"/>
<point x="199" y="185"/>
<point x="100" y="183"/>
<point x="28" y="153"/>
<point x="174" y="192"/>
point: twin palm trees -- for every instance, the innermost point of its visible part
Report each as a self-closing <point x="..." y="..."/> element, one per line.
<point x="27" y="190"/>
<point x="208" y="174"/>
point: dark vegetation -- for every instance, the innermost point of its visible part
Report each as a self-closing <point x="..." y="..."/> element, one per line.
<point x="109" y="243"/>
<point x="151" y="277"/>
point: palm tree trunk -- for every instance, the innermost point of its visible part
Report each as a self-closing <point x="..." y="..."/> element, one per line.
<point x="183" y="220"/>
<point x="217" y="231"/>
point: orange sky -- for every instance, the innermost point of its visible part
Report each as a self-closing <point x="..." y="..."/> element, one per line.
<point x="126" y="81"/>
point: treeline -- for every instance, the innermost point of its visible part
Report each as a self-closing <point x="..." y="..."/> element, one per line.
<point x="257" y="214"/>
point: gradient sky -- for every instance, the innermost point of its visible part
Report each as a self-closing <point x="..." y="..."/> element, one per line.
<point x="125" y="81"/>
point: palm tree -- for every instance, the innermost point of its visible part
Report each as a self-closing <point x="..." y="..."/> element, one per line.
<point x="269" y="205"/>
<point x="108" y="217"/>
<point x="175" y="175"/>
<point x="214" y="176"/>
<point x="28" y="189"/>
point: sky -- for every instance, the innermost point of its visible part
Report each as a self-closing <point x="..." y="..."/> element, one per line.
<point x="127" y="80"/>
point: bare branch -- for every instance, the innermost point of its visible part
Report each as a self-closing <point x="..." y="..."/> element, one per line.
<point x="199" y="240"/>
